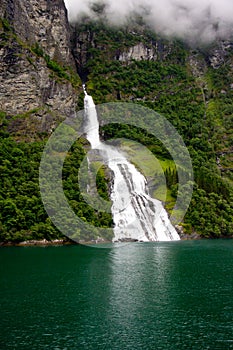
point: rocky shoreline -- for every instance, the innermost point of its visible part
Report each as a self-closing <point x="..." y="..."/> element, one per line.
<point x="187" y="236"/>
<point x="42" y="242"/>
<point x="57" y="242"/>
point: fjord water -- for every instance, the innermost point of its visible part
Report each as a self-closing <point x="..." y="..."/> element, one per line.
<point x="175" y="295"/>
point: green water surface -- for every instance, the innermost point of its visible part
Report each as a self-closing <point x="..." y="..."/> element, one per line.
<point x="141" y="296"/>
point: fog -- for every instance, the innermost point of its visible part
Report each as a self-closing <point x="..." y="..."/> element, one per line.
<point x="198" y="20"/>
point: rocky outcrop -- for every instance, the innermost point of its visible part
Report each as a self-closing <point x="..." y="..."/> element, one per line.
<point x="138" y="52"/>
<point x="197" y="63"/>
<point x="220" y="53"/>
<point x="151" y="51"/>
<point x="41" y="21"/>
<point x="34" y="51"/>
<point x="26" y="83"/>
<point x="82" y="42"/>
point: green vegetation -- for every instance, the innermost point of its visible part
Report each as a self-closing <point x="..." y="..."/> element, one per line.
<point x="5" y="32"/>
<point x="9" y="39"/>
<point x="58" y="69"/>
<point x="72" y="191"/>
<point x="168" y="87"/>
<point x="22" y="214"/>
<point x="204" y="118"/>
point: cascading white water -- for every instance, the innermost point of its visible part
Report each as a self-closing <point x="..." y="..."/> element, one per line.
<point x="91" y="121"/>
<point x="136" y="215"/>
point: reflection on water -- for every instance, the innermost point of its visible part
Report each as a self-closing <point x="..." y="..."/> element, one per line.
<point x="138" y="304"/>
<point x="141" y="296"/>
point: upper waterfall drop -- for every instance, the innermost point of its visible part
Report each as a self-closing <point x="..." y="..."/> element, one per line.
<point x="136" y="215"/>
<point x="91" y="120"/>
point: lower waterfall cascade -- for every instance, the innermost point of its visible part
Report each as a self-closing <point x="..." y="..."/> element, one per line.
<point x="136" y="215"/>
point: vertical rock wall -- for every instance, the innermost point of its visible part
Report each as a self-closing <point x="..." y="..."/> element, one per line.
<point x="27" y="81"/>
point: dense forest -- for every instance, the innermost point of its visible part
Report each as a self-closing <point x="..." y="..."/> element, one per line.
<point x="198" y="105"/>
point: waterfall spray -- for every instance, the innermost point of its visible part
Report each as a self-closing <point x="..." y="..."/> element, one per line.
<point x="136" y="215"/>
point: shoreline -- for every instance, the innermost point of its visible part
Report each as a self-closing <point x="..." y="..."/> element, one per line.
<point x="41" y="243"/>
<point x="62" y="242"/>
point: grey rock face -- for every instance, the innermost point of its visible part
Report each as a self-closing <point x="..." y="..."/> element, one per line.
<point x="138" y="52"/>
<point x="42" y="21"/>
<point x="26" y="81"/>
<point x="219" y="53"/>
<point x="25" y="86"/>
<point x="153" y="51"/>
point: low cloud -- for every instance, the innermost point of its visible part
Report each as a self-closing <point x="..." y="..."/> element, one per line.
<point x="193" y="20"/>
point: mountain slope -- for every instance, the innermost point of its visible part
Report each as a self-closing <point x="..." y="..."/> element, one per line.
<point x="40" y="56"/>
<point x="192" y="88"/>
<point x="38" y="88"/>
<point x="35" y="53"/>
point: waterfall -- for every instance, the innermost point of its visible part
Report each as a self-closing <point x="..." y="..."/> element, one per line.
<point x="136" y="216"/>
<point x="91" y="121"/>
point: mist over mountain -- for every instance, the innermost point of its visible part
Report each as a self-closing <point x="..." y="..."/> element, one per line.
<point x="193" y="21"/>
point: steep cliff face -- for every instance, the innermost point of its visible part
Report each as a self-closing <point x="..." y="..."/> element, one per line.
<point x="35" y="50"/>
<point x="92" y="40"/>
<point x="219" y="53"/>
<point x="43" y="21"/>
<point x="193" y="89"/>
<point x="195" y="84"/>
<point x="154" y="50"/>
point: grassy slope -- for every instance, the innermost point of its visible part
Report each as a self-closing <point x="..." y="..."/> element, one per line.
<point x="168" y="86"/>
